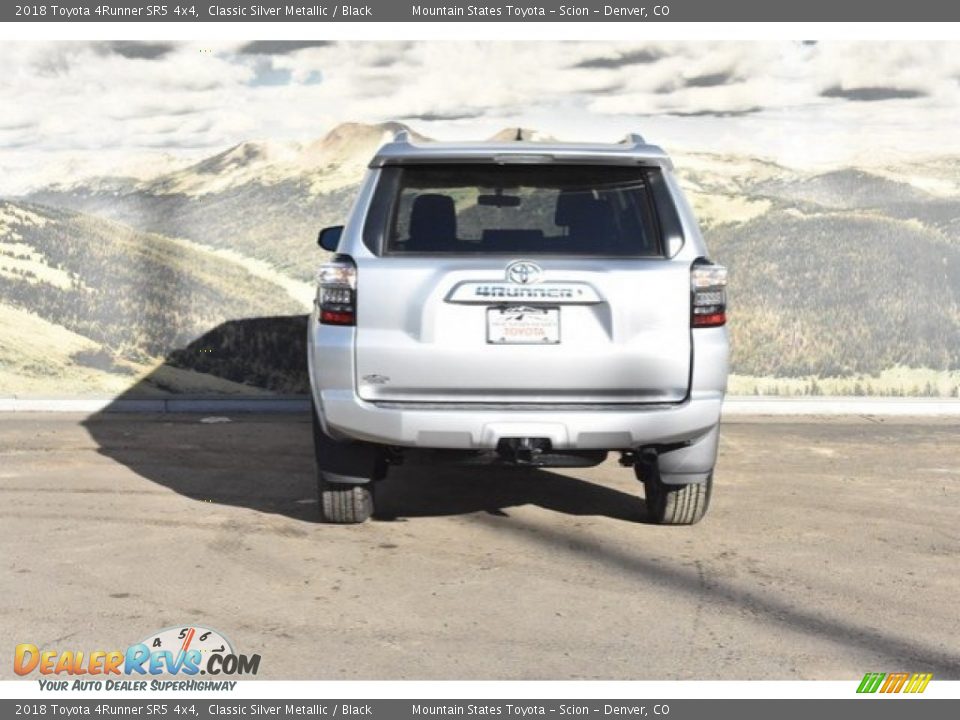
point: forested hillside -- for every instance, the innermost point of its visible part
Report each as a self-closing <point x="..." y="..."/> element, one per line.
<point x="128" y="298"/>
<point x="841" y="273"/>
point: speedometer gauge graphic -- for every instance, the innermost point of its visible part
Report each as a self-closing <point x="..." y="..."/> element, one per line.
<point x="194" y="637"/>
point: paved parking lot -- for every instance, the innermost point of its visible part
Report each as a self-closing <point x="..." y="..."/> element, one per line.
<point x="831" y="549"/>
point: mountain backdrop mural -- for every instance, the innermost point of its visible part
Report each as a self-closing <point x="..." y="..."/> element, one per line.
<point x="193" y="274"/>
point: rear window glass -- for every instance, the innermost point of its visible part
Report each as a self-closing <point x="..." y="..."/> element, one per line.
<point x="529" y="209"/>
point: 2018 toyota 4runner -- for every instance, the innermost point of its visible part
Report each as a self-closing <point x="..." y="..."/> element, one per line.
<point x="522" y="304"/>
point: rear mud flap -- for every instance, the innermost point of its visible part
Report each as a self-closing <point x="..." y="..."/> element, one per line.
<point x="347" y="462"/>
<point x="690" y="464"/>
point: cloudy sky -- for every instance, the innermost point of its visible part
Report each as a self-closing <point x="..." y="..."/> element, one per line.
<point x="68" y="107"/>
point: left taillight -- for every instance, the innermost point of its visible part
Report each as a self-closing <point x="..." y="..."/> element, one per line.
<point x="708" y="285"/>
<point x="337" y="292"/>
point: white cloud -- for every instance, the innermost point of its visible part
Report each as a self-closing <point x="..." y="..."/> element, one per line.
<point x="70" y="98"/>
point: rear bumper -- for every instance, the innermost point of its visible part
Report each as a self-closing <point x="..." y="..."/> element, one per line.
<point x="609" y="428"/>
<point x="463" y="427"/>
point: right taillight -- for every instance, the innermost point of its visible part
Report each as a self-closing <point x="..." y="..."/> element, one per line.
<point x="708" y="284"/>
<point x="337" y="292"/>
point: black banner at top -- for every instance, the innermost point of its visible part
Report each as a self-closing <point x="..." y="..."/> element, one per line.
<point x="188" y="707"/>
<point x="490" y="11"/>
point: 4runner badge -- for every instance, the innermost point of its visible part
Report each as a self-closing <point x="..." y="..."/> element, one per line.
<point x="524" y="272"/>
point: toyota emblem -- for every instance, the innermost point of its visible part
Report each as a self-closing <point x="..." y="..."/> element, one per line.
<point x="524" y="272"/>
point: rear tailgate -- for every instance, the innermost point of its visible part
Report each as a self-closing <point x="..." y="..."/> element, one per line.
<point x="599" y="331"/>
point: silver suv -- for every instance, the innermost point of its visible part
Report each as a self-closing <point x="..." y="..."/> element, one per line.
<point x="518" y="304"/>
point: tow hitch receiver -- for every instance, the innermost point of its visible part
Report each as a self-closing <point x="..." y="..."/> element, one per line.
<point x="523" y="451"/>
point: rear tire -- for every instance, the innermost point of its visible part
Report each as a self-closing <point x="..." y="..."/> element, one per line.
<point x="344" y="504"/>
<point x="674" y="504"/>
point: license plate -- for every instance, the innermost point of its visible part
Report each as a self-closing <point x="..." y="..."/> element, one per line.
<point x="523" y="326"/>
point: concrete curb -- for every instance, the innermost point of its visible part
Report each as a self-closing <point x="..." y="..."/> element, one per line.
<point x="733" y="407"/>
<point x="839" y="406"/>
<point x="158" y="405"/>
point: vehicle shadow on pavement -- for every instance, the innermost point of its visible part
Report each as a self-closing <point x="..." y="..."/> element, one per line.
<point x="265" y="462"/>
<point x="261" y="462"/>
<point x="423" y="491"/>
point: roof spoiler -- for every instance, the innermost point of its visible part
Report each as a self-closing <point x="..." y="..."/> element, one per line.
<point x="635" y="139"/>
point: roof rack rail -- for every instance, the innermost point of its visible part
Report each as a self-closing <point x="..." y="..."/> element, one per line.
<point x="401" y="136"/>
<point x="633" y="139"/>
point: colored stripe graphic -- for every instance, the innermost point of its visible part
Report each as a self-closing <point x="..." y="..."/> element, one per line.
<point x="894" y="682"/>
<point x="918" y="683"/>
<point x="870" y="682"/>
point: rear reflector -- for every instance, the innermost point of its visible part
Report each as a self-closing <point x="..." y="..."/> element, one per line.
<point x="332" y="317"/>
<point x="708" y="286"/>
<point x="711" y="320"/>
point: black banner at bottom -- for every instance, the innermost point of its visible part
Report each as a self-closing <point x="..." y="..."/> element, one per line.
<point x="874" y="708"/>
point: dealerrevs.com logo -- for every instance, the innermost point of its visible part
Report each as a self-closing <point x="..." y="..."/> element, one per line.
<point x="185" y="651"/>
